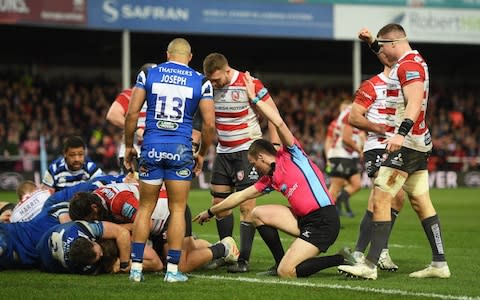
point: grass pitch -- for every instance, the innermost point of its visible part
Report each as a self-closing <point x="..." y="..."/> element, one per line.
<point x="458" y="210"/>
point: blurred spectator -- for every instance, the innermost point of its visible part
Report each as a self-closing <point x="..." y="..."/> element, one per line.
<point x="60" y="108"/>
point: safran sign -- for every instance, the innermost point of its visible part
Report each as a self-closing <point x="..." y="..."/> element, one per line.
<point x="213" y="17"/>
<point x="43" y="12"/>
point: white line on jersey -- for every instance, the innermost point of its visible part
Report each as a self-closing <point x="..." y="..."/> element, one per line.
<point x="336" y="286"/>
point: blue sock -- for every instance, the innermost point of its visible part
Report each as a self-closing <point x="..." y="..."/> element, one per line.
<point x="137" y="252"/>
<point x="173" y="256"/>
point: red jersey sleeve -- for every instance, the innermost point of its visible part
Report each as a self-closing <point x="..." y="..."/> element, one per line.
<point x="365" y="95"/>
<point x="258" y="86"/>
<point x="410" y="71"/>
<point x="124" y="98"/>
<point x="125" y="205"/>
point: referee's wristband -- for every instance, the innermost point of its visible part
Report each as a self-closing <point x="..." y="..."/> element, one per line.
<point x="405" y="127"/>
<point x="260" y="95"/>
<point x="124" y="264"/>
<point x="210" y="213"/>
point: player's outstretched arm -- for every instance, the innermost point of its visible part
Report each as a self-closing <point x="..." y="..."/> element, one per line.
<point x="270" y="113"/>
<point x="230" y="202"/>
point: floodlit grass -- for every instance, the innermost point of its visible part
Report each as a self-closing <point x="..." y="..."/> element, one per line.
<point x="458" y="210"/>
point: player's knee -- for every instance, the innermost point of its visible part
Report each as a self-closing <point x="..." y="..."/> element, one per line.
<point x="417" y="183"/>
<point x="284" y="271"/>
<point x="258" y="216"/>
<point x="389" y="180"/>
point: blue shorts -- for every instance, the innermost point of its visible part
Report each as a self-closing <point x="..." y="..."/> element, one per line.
<point x="166" y="161"/>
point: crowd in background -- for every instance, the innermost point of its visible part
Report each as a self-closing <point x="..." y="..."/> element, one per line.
<point x="30" y="107"/>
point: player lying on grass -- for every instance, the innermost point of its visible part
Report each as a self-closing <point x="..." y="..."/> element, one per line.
<point x="119" y="202"/>
<point x="19" y="239"/>
<point x="311" y="216"/>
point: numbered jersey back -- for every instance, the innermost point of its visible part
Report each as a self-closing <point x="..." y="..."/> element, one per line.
<point x="173" y="92"/>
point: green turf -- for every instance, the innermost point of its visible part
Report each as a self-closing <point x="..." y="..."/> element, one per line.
<point x="458" y="210"/>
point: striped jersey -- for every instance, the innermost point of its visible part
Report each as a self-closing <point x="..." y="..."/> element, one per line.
<point x="173" y="92"/>
<point x="121" y="200"/>
<point x="411" y="67"/>
<point x="58" y="176"/>
<point x="298" y="179"/>
<point x="372" y="96"/>
<point x="339" y="149"/>
<point x="235" y="120"/>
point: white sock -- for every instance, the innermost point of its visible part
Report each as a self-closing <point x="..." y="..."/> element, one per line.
<point x="172" y="268"/>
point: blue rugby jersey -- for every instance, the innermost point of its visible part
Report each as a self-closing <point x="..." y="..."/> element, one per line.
<point x="173" y="91"/>
<point x="58" y="176"/>
<point x="23" y="237"/>
<point x="54" y="246"/>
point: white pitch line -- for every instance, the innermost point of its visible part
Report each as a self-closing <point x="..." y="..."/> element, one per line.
<point x="336" y="286"/>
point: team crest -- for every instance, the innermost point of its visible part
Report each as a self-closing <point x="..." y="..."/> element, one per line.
<point x="183" y="173"/>
<point x="235" y="95"/>
<point x="240" y="175"/>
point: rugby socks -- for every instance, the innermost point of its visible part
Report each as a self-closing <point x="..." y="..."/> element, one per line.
<point x="433" y="231"/>
<point x="247" y="233"/>
<point x="345" y="198"/>
<point x="393" y="215"/>
<point x="365" y="234"/>
<point x="137" y="252"/>
<point x="380" y="233"/>
<point x="225" y="226"/>
<point x="272" y="239"/>
<point x="315" y="264"/>
<point x="173" y="258"/>
<point x="218" y="250"/>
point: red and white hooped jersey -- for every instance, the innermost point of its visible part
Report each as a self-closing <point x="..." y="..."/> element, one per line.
<point x="411" y="67"/>
<point x="372" y="95"/>
<point x="339" y="149"/>
<point x="124" y="99"/>
<point x="236" y="122"/>
<point x="121" y="200"/>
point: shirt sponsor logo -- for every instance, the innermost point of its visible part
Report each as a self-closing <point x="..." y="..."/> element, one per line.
<point x="158" y="156"/>
<point x="166" y="125"/>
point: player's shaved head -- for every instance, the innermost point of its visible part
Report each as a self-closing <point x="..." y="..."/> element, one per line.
<point x="179" y="46"/>
<point x="393" y="31"/>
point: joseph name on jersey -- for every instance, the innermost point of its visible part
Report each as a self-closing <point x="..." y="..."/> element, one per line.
<point x="236" y="122"/>
<point x="409" y="68"/>
<point x="174" y="91"/>
<point x="372" y="95"/>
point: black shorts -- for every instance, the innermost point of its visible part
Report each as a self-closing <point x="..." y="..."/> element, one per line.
<point x="373" y="160"/>
<point x="234" y="169"/>
<point x="407" y="160"/>
<point x="158" y="241"/>
<point x="343" y="167"/>
<point x="320" y="228"/>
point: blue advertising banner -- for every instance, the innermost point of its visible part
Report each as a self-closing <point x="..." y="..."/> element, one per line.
<point x="213" y="17"/>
